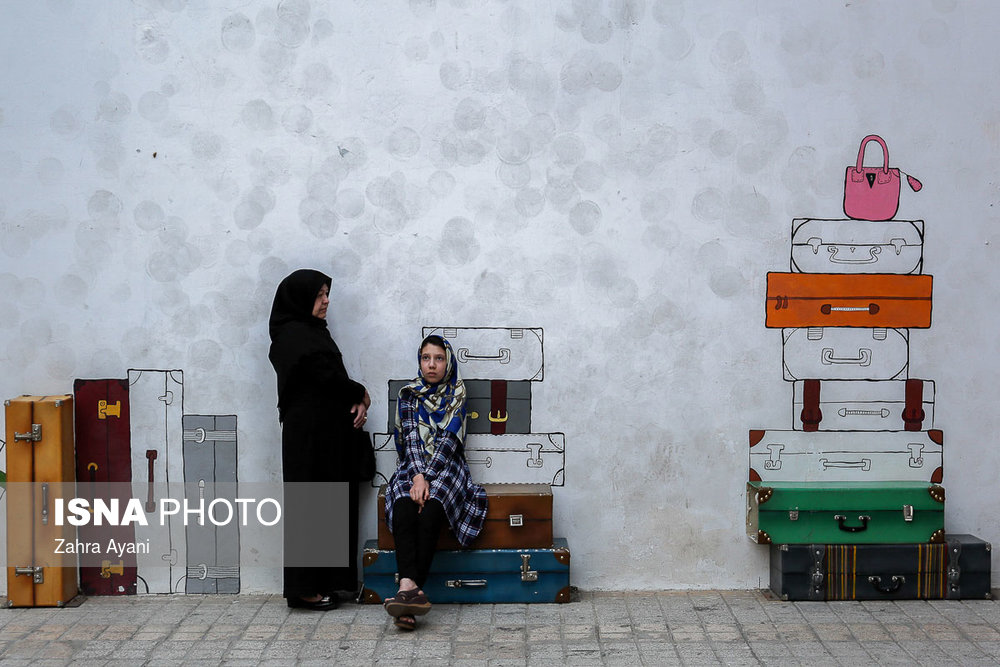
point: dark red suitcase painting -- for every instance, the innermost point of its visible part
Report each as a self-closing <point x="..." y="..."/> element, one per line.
<point x="104" y="470"/>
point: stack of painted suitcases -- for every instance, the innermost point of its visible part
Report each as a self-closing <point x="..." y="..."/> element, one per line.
<point x="850" y="499"/>
<point x="516" y="558"/>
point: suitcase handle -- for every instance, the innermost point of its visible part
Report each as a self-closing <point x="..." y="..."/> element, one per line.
<point x="864" y="357"/>
<point x="871" y="309"/>
<point x="895" y="581"/>
<point x="502" y="356"/>
<point x="873" y="252"/>
<point x="840" y="518"/>
<point x="465" y="583"/>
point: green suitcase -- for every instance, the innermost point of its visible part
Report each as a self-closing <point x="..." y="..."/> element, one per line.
<point x="845" y="512"/>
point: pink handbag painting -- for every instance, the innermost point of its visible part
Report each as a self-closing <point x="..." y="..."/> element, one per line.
<point x="872" y="193"/>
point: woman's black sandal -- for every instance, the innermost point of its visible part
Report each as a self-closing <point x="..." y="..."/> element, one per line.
<point x="413" y="603"/>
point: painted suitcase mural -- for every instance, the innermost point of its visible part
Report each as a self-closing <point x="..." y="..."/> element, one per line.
<point x="517" y="516"/>
<point x="104" y="470"/>
<point x="522" y="458"/>
<point x="848" y="300"/>
<point x="844" y="512"/>
<point x="957" y="569"/>
<point x="156" y="401"/>
<point x="213" y="552"/>
<point x="869" y="405"/>
<point x="488" y="353"/>
<point x="492" y="406"/>
<point x="857" y="246"/>
<point x="39" y="433"/>
<point x="843" y="353"/>
<point x="478" y="575"/>
<point x="845" y="456"/>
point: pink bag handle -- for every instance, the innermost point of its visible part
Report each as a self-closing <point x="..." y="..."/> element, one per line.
<point x="861" y="152"/>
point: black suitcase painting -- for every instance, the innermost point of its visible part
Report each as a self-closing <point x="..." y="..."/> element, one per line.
<point x="213" y="552"/>
<point x="477" y="575"/>
<point x="863" y="405"/>
<point x="956" y="569"/>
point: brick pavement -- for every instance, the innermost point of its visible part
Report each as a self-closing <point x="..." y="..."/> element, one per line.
<point x="666" y="628"/>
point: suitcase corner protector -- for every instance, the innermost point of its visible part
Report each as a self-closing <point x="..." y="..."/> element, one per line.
<point x="368" y="596"/>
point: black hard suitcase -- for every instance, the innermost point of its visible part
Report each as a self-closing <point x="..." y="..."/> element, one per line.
<point x="957" y="569"/>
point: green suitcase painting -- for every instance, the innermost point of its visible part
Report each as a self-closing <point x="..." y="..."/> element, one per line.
<point x="845" y="513"/>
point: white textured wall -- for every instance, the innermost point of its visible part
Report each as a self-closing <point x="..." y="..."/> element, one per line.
<point x="621" y="173"/>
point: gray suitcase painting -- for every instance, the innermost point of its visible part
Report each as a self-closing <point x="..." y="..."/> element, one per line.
<point x="846" y="456"/>
<point x="213" y="552"/>
<point x="517" y="458"/>
<point x="845" y="353"/>
<point x="484" y="409"/>
<point x="488" y="353"/>
<point x="857" y="246"/>
<point x="156" y="406"/>
<point x="863" y="405"/>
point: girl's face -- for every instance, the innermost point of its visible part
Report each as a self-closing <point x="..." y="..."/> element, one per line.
<point x="433" y="363"/>
<point x="322" y="303"/>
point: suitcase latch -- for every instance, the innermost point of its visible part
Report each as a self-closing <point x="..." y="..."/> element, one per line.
<point x="105" y="409"/>
<point x="527" y="574"/>
<point x="34" y="572"/>
<point x="34" y="436"/>
<point x="793" y="515"/>
<point x="907" y="512"/>
<point x="516" y="520"/>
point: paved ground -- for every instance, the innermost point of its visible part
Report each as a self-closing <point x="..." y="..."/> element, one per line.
<point x="690" y="628"/>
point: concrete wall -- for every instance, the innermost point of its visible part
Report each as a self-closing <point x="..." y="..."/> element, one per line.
<point x="619" y="173"/>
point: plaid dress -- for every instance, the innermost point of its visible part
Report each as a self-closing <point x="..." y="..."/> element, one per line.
<point x="446" y="471"/>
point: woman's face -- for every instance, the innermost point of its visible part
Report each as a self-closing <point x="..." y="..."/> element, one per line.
<point x="322" y="302"/>
<point x="433" y="363"/>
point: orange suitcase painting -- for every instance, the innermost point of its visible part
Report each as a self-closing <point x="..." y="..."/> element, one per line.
<point x="848" y="300"/>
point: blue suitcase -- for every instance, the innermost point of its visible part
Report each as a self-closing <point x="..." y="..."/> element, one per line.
<point x="477" y="575"/>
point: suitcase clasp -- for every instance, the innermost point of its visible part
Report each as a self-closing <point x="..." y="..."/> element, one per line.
<point x="527" y="574"/>
<point x="35" y="435"/>
<point x="908" y="513"/>
<point x="36" y="573"/>
<point x="516" y="520"/>
<point x="107" y="569"/>
<point x="104" y="410"/>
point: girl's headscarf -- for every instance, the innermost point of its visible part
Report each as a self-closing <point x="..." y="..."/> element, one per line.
<point x="440" y="407"/>
<point x="295" y="332"/>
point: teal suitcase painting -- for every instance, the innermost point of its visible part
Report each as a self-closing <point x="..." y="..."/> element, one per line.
<point x="477" y="575"/>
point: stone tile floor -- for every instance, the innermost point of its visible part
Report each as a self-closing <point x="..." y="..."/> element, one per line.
<point x="664" y="628"/>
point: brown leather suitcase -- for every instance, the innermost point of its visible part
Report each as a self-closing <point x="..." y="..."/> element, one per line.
<point x="519" y="517"/>
<point x="39" y="473"/>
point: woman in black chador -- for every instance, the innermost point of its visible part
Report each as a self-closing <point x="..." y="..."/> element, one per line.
<point x="318" y="406"/>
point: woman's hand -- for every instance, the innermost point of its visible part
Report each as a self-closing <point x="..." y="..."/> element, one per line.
<point x="360" y="412"/>
<point x="420" y="490"/>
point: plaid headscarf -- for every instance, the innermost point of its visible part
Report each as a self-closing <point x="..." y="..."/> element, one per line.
<point x="441" y="406"/>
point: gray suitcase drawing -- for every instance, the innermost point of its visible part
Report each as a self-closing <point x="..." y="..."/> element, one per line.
<point x="495" y="353"/>
<point x="213" y="552"/>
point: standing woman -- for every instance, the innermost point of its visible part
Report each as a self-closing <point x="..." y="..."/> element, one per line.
<point x="432" y="483"/>
<point x="318" y="406"/>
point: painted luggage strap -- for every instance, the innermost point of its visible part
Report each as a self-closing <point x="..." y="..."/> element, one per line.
<point x="486" y="353"/>
<point x="844" y="405"/>
<point x="514" y="458"/>
<point x="857" y="246"/>
<point x="846" y="456"/>
<point x="847" y="300"/>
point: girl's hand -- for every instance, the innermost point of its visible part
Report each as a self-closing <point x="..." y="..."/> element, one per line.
<point x="420" y="490"/>
<point x="360" y="412"/>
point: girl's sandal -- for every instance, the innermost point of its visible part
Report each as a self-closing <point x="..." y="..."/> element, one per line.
<point x="406" y="622"/>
